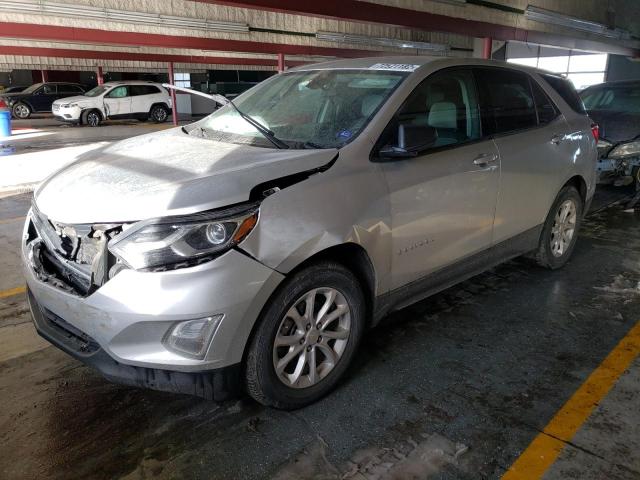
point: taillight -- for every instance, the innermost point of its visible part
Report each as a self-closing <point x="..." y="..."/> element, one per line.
<point x="595" y="131"/>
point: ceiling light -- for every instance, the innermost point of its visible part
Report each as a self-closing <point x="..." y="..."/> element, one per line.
<point x="379" y="41"/>
<point x="84" y="11"/>
<point x="547" y="16"/>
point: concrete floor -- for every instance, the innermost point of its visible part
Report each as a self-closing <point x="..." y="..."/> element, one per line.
<point x="456" y="386"/>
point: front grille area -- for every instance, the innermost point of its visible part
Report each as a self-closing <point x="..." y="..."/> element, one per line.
<point x="73" y="258"/>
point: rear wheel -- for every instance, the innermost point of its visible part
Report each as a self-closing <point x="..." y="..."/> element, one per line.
<point x="560" y="230"/>
<point x="21" y="111"/>
<point x="306" y="338"/>
<point x="158" y="114"/>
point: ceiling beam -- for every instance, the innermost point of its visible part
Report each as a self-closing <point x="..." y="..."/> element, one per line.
<point x="141" y="57"/>
<point x="367" y="12"/>
<point x="92" y="36"/>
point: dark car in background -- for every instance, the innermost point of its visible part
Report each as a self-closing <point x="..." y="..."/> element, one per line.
<point x="615" y="107"/>
<point x="39" y="97"/>
<point x="13" y="89"/>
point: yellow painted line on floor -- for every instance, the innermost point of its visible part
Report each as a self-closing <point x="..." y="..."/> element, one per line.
<point x="10" y="220"/>
<point x="12" y="291"/>
<point x="546" y="447"/>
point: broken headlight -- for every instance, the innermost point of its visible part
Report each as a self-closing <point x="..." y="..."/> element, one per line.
<point x="624" y="150"/>
<point x="183" y="240"/>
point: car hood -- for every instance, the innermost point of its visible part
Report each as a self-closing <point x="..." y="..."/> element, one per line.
<point x="165" y="173"/>
<point x="74" y="99"/>
<point x="616" y="126"/>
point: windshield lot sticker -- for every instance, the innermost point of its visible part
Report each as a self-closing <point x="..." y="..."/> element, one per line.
<point x="344" y="134"/>
<point x="396" y="67"/>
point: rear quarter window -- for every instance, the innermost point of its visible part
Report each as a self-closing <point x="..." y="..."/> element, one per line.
<point x="565" y="89"/>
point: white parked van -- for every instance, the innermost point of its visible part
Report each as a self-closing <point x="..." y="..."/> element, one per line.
<point x="115" y="100"/>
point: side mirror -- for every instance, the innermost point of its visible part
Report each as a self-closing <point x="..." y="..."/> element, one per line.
<point x="412" y="139"/>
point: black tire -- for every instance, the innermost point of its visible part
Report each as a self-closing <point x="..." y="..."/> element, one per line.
<point x="93" y="118"/>
<point x="21" y="111"/>
<point x="158" y="114"/>
<point x="262" y="382"/>
<point x="544" y="255"/>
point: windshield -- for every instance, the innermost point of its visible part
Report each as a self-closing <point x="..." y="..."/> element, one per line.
<point x="616" y="98"/>
<point x="310" y="109"/>
<point x="96" y="91"/>
<point x="32" y="88"/>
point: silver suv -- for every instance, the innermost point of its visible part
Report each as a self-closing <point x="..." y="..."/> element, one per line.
<point x="252" y="249"/>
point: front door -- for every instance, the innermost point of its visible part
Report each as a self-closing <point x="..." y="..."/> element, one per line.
<point x="44" y="98"/>
<point x="117" y="103"/>
<point x="443" y="200"/>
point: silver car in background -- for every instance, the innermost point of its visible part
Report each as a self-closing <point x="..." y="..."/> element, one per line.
<point x="251" y="249"/>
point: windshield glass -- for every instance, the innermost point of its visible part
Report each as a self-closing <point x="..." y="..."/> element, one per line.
<point x="96" y="91"/>
<point x="310" y="109"/>
<point x="616" y="98"/>
<point x="32" y="88"/>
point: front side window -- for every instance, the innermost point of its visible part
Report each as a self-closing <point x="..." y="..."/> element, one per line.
<point x="118" y="92"/>
<point x="307" y="109"/>
<point x="506" y="101"/>
<point x="49" y="89"/>
<point x="441" y="111"/>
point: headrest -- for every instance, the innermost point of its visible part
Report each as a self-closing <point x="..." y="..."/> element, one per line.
<point x="443" y="115"/>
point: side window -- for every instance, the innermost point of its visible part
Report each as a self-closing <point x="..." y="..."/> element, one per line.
<point x="565" y="89"/>
<point x="546" y="109"/>
<point x="49" y="89"/>
<point x="441" y="111"/>
<point x="118" y="92"/>
<point x="137" y="90"/>
<point x="506" y="101"/>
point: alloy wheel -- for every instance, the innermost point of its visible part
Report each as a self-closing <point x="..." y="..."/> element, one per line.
<point x="564" y="227"/>
<point x="21" y="111"/>
<point x="311" y="337"/>
<point x="93" y="119"/>
<point x="159" y="114"/>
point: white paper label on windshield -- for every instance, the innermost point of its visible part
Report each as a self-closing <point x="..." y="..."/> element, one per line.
<point x="396" y="67"/>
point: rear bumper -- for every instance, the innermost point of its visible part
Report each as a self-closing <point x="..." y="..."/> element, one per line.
<point x="218" y="384"/>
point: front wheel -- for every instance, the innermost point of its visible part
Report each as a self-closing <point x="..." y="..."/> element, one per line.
<point x="306" y="338"/>
<point x="560" y="230"/>
<point x="93" y="118"/>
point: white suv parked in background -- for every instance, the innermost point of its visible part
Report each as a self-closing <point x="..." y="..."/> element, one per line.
<point x="115" y="100"/>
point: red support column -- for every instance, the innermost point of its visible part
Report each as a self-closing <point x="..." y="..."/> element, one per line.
<point x="45" y="75"/>
<point x="99" y="76"/>
<point x="174" y="108"/>
<point x="281" y="64"/>
<point x="486" y="47"/>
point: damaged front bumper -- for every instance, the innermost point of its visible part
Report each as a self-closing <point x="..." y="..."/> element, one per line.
<point x="120" y="327"/>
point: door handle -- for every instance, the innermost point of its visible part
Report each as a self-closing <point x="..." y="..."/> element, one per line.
<point x="557" y="139"/>
<point x="485" y="159"/>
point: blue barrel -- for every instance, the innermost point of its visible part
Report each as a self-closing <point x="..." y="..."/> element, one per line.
<point x="5" y="123"/>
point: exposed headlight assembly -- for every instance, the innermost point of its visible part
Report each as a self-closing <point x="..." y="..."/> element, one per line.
<point x="626" y="150"/>
<point x="178" y="241"/>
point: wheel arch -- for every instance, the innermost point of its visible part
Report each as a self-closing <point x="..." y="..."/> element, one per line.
<point x="159" y="104"/>
<point x="580" y="184"/>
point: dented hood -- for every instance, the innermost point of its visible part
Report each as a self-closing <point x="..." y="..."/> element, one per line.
<point x="166" y="173"/>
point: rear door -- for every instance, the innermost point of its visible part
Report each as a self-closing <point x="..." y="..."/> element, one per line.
<point x="531" y="135"/>
<point x="117" y="103"/>
<point x="142" y="97"/>
<point x="442" y="200"/>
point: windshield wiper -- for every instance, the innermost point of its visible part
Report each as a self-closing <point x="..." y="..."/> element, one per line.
<point x="268" y="134"/>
